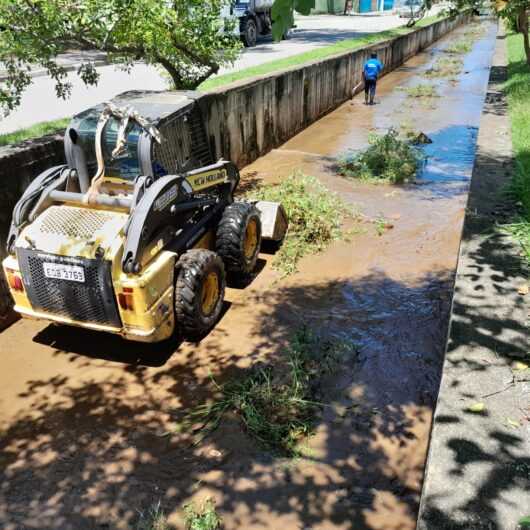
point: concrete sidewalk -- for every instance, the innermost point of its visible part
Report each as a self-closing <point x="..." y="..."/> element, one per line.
<point x="478" y="469"/>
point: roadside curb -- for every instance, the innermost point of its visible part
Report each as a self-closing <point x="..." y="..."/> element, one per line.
<point x="478" y="468"/>
<point x="69" y="68"/>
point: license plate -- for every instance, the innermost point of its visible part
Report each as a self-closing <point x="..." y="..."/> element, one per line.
<point x="58" y="271"/>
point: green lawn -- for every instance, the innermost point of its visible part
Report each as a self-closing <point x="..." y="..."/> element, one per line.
<point x="345" y="45"/>
<point x="39" y="129"/>
<point x="518" y="91"/>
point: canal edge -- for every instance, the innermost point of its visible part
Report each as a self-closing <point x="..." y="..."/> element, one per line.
<point x="473" y="475"/>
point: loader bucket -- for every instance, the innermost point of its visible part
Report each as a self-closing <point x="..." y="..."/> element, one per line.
<point x="274" y="220"/>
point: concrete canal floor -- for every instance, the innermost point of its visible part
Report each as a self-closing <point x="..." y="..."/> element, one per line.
<point x="85" y="417"/>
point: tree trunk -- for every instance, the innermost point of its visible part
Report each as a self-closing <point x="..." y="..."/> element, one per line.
<point x="180" y="83"/>
<point x="523" y="28"/>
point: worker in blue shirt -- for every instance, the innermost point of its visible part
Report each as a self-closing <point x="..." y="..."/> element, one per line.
<point x="372" y="69"/>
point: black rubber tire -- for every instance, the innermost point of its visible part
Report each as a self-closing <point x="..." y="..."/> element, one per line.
<point x="231" y="234"/>
<point x="191" y="272"/>
<point x="249" y="32"/>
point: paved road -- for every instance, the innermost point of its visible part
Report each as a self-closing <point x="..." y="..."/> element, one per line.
<point x="41" y="104"/>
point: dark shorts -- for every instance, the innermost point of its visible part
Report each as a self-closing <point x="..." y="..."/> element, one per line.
<point x="369" y="86"/>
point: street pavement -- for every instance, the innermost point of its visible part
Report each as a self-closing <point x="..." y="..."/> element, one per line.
<point x="40" y="103"/>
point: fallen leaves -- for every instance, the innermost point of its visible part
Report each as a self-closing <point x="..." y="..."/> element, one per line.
<point x="477" y="407"/>
<point x="513" y="423"/>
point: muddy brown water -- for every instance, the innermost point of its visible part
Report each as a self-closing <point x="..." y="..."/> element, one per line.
<point x="85" y="417"/>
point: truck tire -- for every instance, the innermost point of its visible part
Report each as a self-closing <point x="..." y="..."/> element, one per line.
<point x="249" y="32"/>
<point x="238" y="238"/>
<point x="199" y="292"/>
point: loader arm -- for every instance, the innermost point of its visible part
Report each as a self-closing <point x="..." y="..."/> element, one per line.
<point x="166" y="211"/>
<point x="50" y="179"/>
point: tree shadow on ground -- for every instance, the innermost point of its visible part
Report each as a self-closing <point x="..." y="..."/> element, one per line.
<point x="478" y="475"/>
<point x="88" y="453"/>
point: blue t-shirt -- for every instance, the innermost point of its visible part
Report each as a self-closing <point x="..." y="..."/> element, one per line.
<point x="372" y="68"/>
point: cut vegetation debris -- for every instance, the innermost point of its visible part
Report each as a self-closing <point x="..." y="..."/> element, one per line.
<point x="277" y="404"/>
<point x="153" y="519"/>
<point x="389" y="158"/>
<point x="382" y="224"/>
<point x="518" y="90"/>
<point x="465" y="44"/>
<point x="203" y="517"/>
<point x="460" y="46"/>
<point x="474" y="30"/>
<point x="408" y="132"/>
<point x="445" y="67"/>
<point x="315" y="217"/>
<point x="35" y="131"/>
<point x="424" y="90"/>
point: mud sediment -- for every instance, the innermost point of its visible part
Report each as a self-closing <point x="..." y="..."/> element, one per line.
<point x="88" y="421"/>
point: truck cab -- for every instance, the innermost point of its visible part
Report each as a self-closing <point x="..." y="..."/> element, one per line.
<point x="253" y="18"/>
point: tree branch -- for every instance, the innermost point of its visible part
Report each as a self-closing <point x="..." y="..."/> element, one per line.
<point x="193" y="56"/>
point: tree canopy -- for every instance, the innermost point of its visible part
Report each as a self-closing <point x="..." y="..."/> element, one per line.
<point x="185" y="37"/>
<point x="283" y="15"/>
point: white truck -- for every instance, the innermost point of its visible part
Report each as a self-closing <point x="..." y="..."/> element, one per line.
<point x="254" y="18"/>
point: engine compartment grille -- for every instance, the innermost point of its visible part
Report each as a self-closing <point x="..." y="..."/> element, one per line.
<point x="91" y="301"/>
<point x="185" y="145"/>
<point x="72" y="222"/>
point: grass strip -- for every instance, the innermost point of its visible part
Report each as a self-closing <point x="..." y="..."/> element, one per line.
<point x="342" y="46"/>
<point x="35" y="131"/>
<point x="518" y="92"/>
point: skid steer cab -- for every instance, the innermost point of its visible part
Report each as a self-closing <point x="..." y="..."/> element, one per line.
<point x="136" y="233"/>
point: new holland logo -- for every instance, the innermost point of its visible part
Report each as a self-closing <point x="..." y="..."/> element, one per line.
<point x="204" y="180"/>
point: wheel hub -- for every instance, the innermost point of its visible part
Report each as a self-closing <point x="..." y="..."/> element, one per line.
<point x="210" y="293"/>
<point x="251" y="239"/>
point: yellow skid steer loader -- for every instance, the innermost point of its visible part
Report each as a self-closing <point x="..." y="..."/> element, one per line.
<point x="135" y="233"/>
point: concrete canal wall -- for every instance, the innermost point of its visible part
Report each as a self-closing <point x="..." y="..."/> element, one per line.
<point x="248" y="119"/>
<point x="245" y="120"/>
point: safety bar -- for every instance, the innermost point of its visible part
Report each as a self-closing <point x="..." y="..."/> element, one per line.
<point x="218" y="165"/>
<point x="80" y="199"/>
